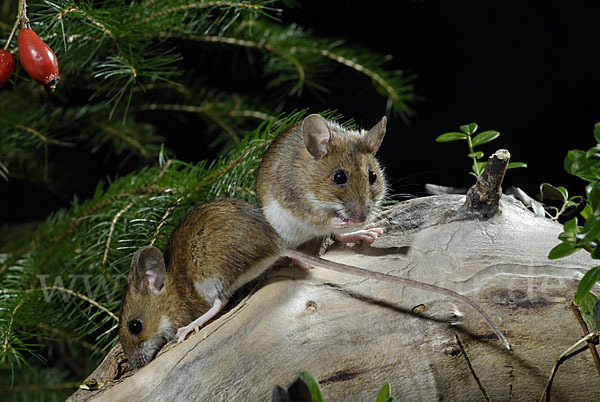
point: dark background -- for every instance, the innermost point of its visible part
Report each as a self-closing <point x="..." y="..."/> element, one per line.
<point x="525" y="69"/>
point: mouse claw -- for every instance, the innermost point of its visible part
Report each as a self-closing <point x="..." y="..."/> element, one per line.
<point x="182" y="333"/>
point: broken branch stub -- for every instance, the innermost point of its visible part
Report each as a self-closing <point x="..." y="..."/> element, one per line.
<point x="483" y="199"/>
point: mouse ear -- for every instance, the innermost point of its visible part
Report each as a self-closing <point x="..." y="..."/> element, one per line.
<point x="374" y="136"/>
<point x="316" y="134"/>
<point x="148" y="270"/>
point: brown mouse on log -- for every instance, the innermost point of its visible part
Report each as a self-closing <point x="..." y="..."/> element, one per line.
<point x="319" y="178"/>
<point x="217" y="248"/>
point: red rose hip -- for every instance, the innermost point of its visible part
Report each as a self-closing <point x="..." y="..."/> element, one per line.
<point x="7" y="66"/>
<point x="37" y="58"/>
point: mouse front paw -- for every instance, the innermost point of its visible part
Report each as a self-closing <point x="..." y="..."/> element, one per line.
<point x="367" y="235"/>
<point x="183" y="332"/>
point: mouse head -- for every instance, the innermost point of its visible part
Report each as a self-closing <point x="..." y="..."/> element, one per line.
<point x="144" y="324"/>
<point x="345" y="178"/>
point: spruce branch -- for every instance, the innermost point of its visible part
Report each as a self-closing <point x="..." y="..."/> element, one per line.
<point x="205" y="4"/>
<point x="103" y="233"/>
<point x="127" y="60"/>
<point x="89" y="18"/>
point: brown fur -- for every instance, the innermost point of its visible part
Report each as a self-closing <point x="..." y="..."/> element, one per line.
<point x="206" y="246"/>
<point x="290" y="174"/>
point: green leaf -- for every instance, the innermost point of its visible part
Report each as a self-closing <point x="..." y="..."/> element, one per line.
<point x="477" y="155"/>
<point x="596" y="315"/>
<point x="485" y="137"/>
<point x="586" y="304"/>
<point x="591" y="230"/>
<point x="593" y="153"/>
<point x="452" y="136"/>
<point x="577" y="164"/>
<point x="585" y="285"/>
<point x="468" y="128"/>
<point x="384" y="393"/>
<point x="562" y="250"/>
<point x="587" y="211"/>
<point x="480" y="165"/>
<point x="538" y="208"/>
<point x="597" y="132"/>
<point x="593" y="195"/>
<point x="564" y="191"/>
<point x="571" y="226"/>
<point x="313" y="386"/>
<point x="514" y="165"/>
<point x="549" y="192"/>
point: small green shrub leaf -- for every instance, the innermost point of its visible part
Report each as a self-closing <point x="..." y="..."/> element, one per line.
<point x="597" y="132"/>
<point x="587" y="211"/>
<point x="452" y="136"/>
<point x="587" y="304"/>
<point x="480" y="166"/>
<point x="562" y="250"/>
<point x="596" y="315"/>
<point x="564" y="191"/>
<point x="477" y="155"/>
<point x="549" y="192"/>
<point x="593" y="153"/>
<point x="384" y="393"/>
<point x="586" y="284"/>
<point x="593" y="195"/>
<point x="313" y="386"/>
<point x="591" y="230"/>
<point x="538" y="208"/>
<point x="577" y="164"/>
<point x="485" y="137"/>
<point x="468" y="128"/>
<point x="571" y="226"/>
<point x="514" y="165"/>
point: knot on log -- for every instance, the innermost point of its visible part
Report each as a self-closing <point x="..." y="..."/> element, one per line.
<point x="483" y="199"/>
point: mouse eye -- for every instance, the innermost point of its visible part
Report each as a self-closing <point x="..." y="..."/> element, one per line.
<point x="339" y="177"/>
<point x="135" y="327"/>
<point x="372" y="177"/>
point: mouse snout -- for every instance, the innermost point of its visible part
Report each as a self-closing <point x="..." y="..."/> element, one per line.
<point x="356" y="212"/>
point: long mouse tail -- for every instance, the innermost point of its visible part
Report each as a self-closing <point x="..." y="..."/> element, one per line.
<point x="336" y="266"/>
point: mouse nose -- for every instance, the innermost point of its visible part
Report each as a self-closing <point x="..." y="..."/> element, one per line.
<point x="356" y="212"/>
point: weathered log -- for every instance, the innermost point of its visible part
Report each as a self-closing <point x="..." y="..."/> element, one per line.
<point x="355" y="334"/>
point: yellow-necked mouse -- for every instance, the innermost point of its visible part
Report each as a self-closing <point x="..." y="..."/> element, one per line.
<point x="318" y="178"/>
<point x="216" y="249"/>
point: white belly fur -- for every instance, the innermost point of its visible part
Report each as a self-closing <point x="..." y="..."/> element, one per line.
<point x="293" y="230"/>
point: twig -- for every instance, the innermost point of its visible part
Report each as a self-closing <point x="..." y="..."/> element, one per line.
<point x="112" y="229"/>
<point x="81" y="296"/>
<point x="162" y="172"/>
<point x="60" y="289"/>
<point x="586" y="331"/>
<point x="163" y="220"/>
<point x="10" y="323"/>
<point x="21" y="17"/>
<point x="244" y="43"/>
<point x="464" y="353"/>
<point x="574" y="350"/>
<point x="202" y="5"/>
<point x="90" y="19"/>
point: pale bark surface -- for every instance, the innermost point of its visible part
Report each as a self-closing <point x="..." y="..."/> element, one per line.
<point x="355" y="334"/>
